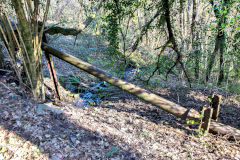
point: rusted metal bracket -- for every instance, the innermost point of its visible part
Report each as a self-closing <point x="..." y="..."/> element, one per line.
<point x="52" y="73"/>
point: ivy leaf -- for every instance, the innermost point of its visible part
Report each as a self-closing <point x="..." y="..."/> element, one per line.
<point x="238" y="99"/>
<point x="112" y="152"/>
<point x="223" y="25"/>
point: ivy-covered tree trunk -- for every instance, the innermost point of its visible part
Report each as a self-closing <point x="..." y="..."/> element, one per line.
<point x="221" y="59"/>
<point x="219" y="48"/>
<point x="220" y="11"/>
<point x="212" y="58"/>
<point x="197" y="65"/>
<point x="195" y="45"/>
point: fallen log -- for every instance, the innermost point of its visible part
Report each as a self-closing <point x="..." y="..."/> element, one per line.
<point x="66" y="31"/>
<point x="71" y="31"/>
<point x="141" y="93"/>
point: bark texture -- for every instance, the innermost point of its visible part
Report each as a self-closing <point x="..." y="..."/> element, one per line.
<point x="31" y="56"/>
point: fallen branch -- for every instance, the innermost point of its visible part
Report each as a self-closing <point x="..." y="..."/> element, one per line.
<point x="5" y="71"/>
<point x="71" y="31"/>
<point x="60" y="30"/>
<point x="4" y="85"/>
<point x="143" y="94"/>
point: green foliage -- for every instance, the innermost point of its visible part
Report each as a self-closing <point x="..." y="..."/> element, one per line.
<point x="234" y="87"/>
<point x="201" y="133"/>
<point x="113" y="151"/>
<point x="115" y="13"/>
<point x="154" y="83"/>
<point x="2" y="149"/>
<point x="182" y="4"/>
<point x="238" y="99"/>
<point x="112" y="20"/>
<point x="188" y="121"/>
<point x="165" y="62"/>
<point x="210" y="98"/>
<point x="74" y="79"/>
<point x="161" y="21"/>
<point x="222" y="9"/>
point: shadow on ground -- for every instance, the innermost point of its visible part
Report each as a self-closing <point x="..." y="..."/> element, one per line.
<point x="55" y="134"/>
<point x="185" y="97"/>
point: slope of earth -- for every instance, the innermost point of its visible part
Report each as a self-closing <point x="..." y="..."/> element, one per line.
<point x="117" y="128"/>
<point x="93" y="50"/>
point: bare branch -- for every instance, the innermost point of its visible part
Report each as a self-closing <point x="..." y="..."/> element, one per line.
<point x="144" y="31"/>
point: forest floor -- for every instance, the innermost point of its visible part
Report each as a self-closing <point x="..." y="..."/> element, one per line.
<point x="119" y="126"/>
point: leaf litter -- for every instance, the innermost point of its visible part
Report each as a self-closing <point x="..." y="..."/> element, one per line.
<point x="126" y="128"/>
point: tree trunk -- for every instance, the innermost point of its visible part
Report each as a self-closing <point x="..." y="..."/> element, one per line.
<point x="219" y="47"/>
<point x="9" y="36"/>
<point x="197" y="64"/>
<point x="212" y="59"/>
<point x="31" y="57"/>
<point x="194" y="41"/>
<point x="220" y="41"/>
<point x="221" y="65"/>
<point x="172" y="39"/>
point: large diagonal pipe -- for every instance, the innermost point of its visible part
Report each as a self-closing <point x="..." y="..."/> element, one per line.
<point x="141" y="93"/>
